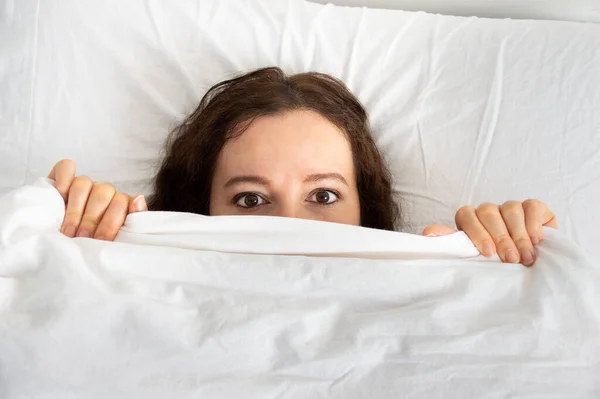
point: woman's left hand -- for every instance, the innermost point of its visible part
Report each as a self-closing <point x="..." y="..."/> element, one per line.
<point x="511" y="229"/>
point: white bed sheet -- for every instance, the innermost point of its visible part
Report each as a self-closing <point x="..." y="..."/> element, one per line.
<point x="179" y="308"/>
<point x="466" y="110"/>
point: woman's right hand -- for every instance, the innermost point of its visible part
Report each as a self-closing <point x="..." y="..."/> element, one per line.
<point x="94" y="210"/>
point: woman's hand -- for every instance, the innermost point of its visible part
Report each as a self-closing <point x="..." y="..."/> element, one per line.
<point x="511" y="229"/>
<point x="94" y="210"/>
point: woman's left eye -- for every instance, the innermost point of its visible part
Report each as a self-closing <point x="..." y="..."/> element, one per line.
<point x="324" y="197"/>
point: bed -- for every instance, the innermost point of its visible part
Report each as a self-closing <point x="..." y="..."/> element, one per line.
<point x="465" y="110"/>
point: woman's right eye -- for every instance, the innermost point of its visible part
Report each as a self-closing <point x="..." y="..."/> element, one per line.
<point x="249" y="200"/>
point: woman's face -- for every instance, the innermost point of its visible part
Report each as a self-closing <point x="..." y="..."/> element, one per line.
<point x="297" y="164"/>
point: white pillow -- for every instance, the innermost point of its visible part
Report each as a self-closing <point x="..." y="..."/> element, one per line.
<point x="466" y="110"/>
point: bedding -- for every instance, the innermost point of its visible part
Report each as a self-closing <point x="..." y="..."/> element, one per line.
<point x="184" y="306"/>
<point x="465" y="110"/>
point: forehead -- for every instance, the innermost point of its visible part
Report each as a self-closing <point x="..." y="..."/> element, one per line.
<point x="295" y="140"/>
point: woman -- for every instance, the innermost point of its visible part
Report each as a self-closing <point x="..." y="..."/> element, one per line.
<point x="296" y="146"/>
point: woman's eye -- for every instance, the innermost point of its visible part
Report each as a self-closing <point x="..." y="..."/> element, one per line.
<point x="249" y="200"/>
<point x="324" y="197"/>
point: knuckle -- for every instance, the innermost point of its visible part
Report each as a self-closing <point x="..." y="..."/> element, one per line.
<point x="533" y="204"/>
<point x="487" y="209"/>
<point x="104" y="189"/>
<point x="65" y="163"/>
<point x="82" y="182"/>
<point x="511" y="204"/>
<point x="511" y="208"/>
<point x="121" y="199"/>
<point x="463" y="215"/>
<point x="464" y="211"/>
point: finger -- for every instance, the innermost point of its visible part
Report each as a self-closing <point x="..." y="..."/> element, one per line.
<point x="138" y="204"/>
<point x="537" y="215"/>
<point x="436" y="230"/>
<point x="113" y="218"/>
<point x="100" y="198"/>
<point x="63" y="173"/>
<point x="491" y="219"/>
<point x="467" y="221"/>
<point x="78" y="196"/>
<point x="514" y="218"/>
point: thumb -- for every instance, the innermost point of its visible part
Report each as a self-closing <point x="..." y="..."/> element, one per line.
<point x="438" y="230"/>
<point x="138" y="204"/>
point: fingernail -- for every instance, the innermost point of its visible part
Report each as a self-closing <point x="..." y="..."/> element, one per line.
<point x="511" y="256"/>
<point x="101" y="238"/>
<point x="83" y="234"/>
<point x="138" y="203"/>
<point x="488" y="249"/>
<point x="431" y="235"/>
<point x="527" y="257"/>
<point x="69" y="231"/>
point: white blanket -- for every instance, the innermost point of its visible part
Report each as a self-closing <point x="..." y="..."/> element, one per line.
<point x="186" y="306"/>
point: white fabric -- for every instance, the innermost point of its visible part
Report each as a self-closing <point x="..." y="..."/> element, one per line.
<point x="466" y="110"/>
<point x="171" y="311"/>
<point x="559" y="10"/>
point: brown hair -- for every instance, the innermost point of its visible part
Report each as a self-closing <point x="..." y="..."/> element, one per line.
<point x="184" y="179"/>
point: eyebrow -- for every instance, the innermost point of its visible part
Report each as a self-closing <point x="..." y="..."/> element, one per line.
<point x="314" y="178"/>
<point x="317" y="177"/>
<point x="247" y="179"/>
